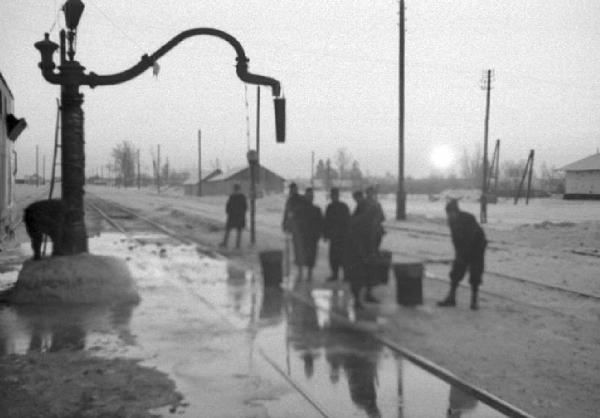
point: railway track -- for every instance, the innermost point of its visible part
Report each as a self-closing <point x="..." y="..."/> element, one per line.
<point x="275" y="229"/>
<point x="114" y="214"/>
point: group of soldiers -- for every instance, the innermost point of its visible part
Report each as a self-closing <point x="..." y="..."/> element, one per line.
<point x="354" y="238"/>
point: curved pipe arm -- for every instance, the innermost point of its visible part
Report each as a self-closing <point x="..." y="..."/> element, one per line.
<point x="146" y="62"/>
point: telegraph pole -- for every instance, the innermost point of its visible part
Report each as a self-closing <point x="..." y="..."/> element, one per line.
<point x="199" y="193"/>
<point x="312" y="169"/>
<point x="37" y="163"/>
<point x="488" y="86"/>
<point x="158" y="169"/>
<point x="400" y="193"/>
<point x="258" y="133"/>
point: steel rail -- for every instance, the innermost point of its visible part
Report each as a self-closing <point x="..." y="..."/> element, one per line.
<point x="217" y="310"/>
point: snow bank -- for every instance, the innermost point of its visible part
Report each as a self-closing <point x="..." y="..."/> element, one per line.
<point x="82" y="278"/>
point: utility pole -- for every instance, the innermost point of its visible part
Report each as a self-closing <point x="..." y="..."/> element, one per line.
<point x="139" y="180"/>
<point x="487" y="86"/>
<point x="44" y="169"/>
<point x="258" y="133"/>
<point x="158" y="169"/>
<point x="199" y="192"/>
<point x="312" y="169"/>
<point x="401" y="193"/>
<point x="328" y="176"/>
<point x="37" y="163"/>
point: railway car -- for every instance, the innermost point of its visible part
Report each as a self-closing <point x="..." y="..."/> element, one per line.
<point x="10" y="128"/>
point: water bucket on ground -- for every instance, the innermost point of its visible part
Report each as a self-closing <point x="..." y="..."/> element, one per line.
<point x="409" y="283"/>
<point x="379" y="268"/>
<point x="272" y="269"/>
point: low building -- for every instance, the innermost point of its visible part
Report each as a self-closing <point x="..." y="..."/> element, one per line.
<point x="582" y="179"/>
<point x="222" y="183"/>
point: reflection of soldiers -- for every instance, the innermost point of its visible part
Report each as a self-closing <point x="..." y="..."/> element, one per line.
<point x="335" y="229"/>
<point x="304" y="331"/>
<point x="469" y="243"/>
<point x="357" y="354"/>
<point x="459" y="402"/>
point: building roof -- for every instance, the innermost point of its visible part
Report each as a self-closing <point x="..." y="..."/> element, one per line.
<point x="586" y="164"/>
<point x="226" y="175"/>
<point x="193" y="178"/>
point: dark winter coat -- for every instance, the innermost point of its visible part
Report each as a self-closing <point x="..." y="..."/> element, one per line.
<point x="337" y="221"/>
<point x="310" y="228"/>
<point x="468" y="237"/>
<point x="292" y="206"/>
<point x="236" y="211"/>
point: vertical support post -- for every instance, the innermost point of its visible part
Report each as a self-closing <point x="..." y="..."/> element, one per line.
<point x="37" y="163"/>
<point x="252" y="161"/>
<point x="44" y="169"/>
<point x="139" y="179"/>
<point x="312" y="169"/>
<point x="158" y="169"/>
<point x="483" y="200"/>
<point x="73" y="164"/>
<point x="497" y="164"/>
<point x="530" y="161"/>
<point x="400" y="193"/>
<point x="199" y="192"/>
<point x="258" y="132"/>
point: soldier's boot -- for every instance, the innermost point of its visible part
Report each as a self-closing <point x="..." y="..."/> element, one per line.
<point x="474" y="302"/>
<point x="449" y="300"/>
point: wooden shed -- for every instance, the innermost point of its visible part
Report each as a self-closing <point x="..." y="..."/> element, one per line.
<point x="267" y="182"/>
<point x="583" y="178"/>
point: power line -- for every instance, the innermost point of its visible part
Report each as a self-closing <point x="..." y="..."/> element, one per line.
<point x="116" y="26"/>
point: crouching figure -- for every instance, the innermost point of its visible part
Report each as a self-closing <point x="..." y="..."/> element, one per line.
<point x="45" y="217"/>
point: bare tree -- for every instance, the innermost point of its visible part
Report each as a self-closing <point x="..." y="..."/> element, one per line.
<point x="124" y="155"/>
<point x="343" y="159"/>
<point x="471" y="166"/>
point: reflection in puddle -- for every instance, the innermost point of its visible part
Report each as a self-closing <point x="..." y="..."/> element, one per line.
<point x="348" y="371"/>
<point x="28" y="328"/>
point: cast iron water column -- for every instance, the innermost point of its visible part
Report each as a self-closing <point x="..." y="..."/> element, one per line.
<point x="71" y="75"/>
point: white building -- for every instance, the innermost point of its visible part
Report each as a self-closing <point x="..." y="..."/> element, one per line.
<point x="583" y="178"/>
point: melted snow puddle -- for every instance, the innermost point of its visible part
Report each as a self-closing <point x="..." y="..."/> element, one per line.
<point x="346" y="372"/>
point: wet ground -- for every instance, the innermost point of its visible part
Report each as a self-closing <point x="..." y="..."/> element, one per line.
<point x="234" y="349"/>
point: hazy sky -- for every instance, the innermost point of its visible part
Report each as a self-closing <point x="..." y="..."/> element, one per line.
<point x="338" y="64"/>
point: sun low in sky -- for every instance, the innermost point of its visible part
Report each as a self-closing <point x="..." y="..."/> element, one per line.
<point x="442" y="157"/>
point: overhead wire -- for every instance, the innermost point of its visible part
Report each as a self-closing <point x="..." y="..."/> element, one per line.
<point x="125" y="34"/>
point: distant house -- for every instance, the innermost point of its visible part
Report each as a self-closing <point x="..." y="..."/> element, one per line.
<point x="222" y="184"/>
<point x="583" y="178"/>
<point x="190" y="186"/>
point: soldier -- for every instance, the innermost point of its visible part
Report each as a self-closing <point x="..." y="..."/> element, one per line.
<point x="357" y="250"/>
<point x="310" y="229"/>
<point x="469" y="243"/>
<point x="376" y="218"/>
<point x="235" y="208"/>
<point x="45" y="217"/>
<point x="335" y="229"/>
<point x="290" y="225"/>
